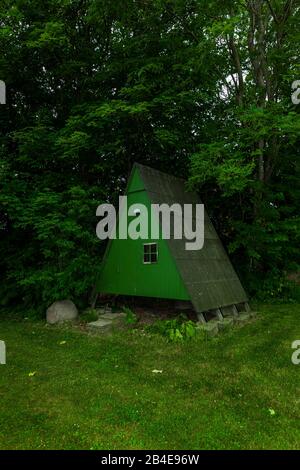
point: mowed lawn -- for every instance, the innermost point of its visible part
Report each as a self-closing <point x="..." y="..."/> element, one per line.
<point x="64" y="389"/>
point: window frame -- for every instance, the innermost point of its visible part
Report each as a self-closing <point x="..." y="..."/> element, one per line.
<point x="150" y="253"/>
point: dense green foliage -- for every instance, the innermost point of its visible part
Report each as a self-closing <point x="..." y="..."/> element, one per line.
<point x="200" y="89"/>
<point x="131" y="317"/>
<point x="176" y="330"/>
<point x="63" y="389"/>
<point x="250" y="162"/>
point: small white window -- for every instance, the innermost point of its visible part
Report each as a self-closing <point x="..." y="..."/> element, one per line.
<point x="150" y="253"/>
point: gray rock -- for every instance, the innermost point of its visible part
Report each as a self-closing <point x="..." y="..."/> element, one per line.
<point x="225" y="323"/>
<point x="242" y="318"/>
<point x="60" y="311"/>
<point x="100" y="326"/>
<point x="252" y="314"/>
<point x="103" y="309"/>
<point x="100" y="310"/>
<point x="112" y="316"/>
<point x="210" y="328"/>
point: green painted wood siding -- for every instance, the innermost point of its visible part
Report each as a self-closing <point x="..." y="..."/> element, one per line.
<point x="123" y="271"/>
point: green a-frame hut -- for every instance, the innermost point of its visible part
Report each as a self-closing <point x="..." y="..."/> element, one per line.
<point x="164" y="268"/>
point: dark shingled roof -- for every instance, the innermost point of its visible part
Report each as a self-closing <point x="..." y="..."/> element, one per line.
<point x="208" y="274"/>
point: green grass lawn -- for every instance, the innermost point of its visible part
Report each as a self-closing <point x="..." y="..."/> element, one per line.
<point x="92" y="392"/>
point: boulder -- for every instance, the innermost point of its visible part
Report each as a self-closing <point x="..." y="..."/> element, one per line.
<point x="100" y="326"/>
<point x="61" y="311"/>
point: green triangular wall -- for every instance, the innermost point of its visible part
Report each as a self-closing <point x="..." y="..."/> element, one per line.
<point x="123" y="271"/>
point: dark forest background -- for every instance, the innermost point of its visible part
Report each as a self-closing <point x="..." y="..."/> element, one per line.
<point x="200" y="89"/>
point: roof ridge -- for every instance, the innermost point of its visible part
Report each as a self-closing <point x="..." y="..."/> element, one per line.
<point x="147" y="167"/>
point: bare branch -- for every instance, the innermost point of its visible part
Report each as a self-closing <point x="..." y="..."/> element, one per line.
<point x="273" y="13"/>
<point x="237" y="63"/>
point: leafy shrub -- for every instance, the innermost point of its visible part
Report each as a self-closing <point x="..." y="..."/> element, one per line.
<point x="175" y="330"/>
<point x="89" y="315"/>
<point x="49" y="253"/>
<point x="131" y="318"/>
